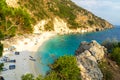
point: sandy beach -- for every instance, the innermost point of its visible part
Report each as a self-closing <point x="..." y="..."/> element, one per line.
<point x="27" y="45"/>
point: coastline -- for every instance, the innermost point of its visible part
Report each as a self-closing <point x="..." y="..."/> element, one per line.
<point x="27" y="46"/>
<point x="45" y="36"/>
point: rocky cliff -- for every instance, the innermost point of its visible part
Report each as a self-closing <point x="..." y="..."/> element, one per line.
<point x="61" y="16"/>
<point x="88" y="56"/>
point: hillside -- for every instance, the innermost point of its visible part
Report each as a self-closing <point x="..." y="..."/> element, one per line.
<point x="61" y="16"/>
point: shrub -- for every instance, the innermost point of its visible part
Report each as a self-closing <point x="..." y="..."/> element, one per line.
<point x="1" y="49"/>
<point x="110" y="44"/>
<point x="65" y="68"/>
<point x="115" y="55"/>
<point x="1" y="35"/>
<point x="27" y="77"/>
<point x="90" y="22"/>
<point x="107" y="74"/>
<point x="49" y="26"/>
<point x="1" y="66"/>
<point x="10" y="17"/>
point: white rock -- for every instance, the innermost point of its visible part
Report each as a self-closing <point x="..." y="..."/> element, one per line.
<point x="87" y="56"/>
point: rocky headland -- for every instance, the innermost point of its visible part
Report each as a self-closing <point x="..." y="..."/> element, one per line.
<point x="88" y="57"/>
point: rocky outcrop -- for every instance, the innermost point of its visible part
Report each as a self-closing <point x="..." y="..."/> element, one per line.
<point x="88" y="55"/>
<point x="61" y="27"/>
<point x="39" y="27"/>
<point x="12" y="3"/>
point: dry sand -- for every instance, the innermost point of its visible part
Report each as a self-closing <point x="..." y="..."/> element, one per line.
<point x="27" y="46"/>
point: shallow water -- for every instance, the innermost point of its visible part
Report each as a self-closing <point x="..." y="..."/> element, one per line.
<point x="67" y="44"/>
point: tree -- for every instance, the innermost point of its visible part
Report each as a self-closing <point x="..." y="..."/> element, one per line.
<point x="27" y="77"/>
<point x="52" y="76"/>
<point x="65" y="68"/>
<point x="40" y="77"/>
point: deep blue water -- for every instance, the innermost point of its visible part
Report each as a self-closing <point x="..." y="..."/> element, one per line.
<point x="67" y="44"/>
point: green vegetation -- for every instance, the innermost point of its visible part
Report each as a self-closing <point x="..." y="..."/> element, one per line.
<point x="90" y="22"/>
<point x="42" y="10"/>
<point x="109" y="67"/>
<point x="115" y="55"/>
<point x="1" y="45"/>
<point x="113" y="46"/>
<point x="27" y="77"/>
<point x="1" y="49"/>
<point x="1" y="66"/>
<point x="110" y="44"/>
<point x="64" y="68"/>
<point x="107" y="74"/>
<point x="112" y="58"/>
<point x="49" y="26"/>
<point x="65" y="10"/>
<point x="1" y="35"/>
<point x="37" y="9"/>
<point x="21" y="19"/>
<point x="14" y="20"/>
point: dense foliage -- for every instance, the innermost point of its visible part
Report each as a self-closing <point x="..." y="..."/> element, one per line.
<point x="49" y="26"/>
<point x="36" y="7"/>
<point x="115" y="55"/>
<point x="1" y="35"/>
<point x="107" y="66"/>
<point x="64" y="68"/>
<point x="14" y="20"/>
<point x="65" y="9"/>
<point x="27" y="77"/>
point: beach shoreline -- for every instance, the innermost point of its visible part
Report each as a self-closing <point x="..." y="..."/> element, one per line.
<point x="45" y="36"/>
<point x="28" y="47"/>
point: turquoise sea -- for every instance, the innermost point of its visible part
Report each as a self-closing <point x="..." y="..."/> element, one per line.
<point x="67" y="44"/>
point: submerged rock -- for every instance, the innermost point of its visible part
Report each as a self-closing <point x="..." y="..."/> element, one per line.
<point x="88" y="55"/>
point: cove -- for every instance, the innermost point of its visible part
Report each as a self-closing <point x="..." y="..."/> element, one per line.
<point x="67" y="44"/>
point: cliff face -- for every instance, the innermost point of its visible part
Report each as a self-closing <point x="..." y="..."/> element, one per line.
<point x="88" y="56"/>
<point x="61" y="16"/>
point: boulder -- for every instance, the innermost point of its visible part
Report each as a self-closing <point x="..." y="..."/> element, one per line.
<point x="88" y="55"/>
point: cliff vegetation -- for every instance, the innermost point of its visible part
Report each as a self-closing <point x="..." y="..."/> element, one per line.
<point x="20" y="17"/>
